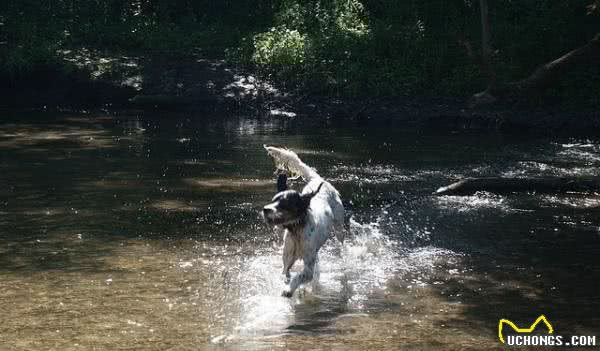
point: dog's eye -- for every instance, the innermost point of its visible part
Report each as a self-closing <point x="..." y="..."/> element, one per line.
<point x="284" y="205"/>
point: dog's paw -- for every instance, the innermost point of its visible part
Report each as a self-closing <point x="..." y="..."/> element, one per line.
<point x="287" y="293"/>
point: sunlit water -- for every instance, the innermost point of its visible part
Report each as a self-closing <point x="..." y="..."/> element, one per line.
<point x="142" y="232"/>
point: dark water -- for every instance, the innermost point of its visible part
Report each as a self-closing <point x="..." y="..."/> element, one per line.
<point x="142" y="232"/>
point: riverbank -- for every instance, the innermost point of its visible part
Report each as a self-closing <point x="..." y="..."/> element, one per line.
<point x="86" y="79"/>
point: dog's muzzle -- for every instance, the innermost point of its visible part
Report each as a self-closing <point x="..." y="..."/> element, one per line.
<point x="268" y="215"/>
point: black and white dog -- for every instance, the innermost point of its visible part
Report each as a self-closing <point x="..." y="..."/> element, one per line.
<point x="308" y="218"/>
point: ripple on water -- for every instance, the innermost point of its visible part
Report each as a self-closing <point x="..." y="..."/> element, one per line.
<point x="583" y="151"/>
<point x="369" y="174"/>
<point x="541" y="169"/>
<point x="477" y="201"/>
<point x="385" y="174"/>
<point x="578" y="158"/>
<point x="573" y="201"/>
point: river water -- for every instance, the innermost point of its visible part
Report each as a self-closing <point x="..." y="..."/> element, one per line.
<point x="142" y="232"/>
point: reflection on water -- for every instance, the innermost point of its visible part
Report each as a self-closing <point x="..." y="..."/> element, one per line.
<point x="143" y="233"/>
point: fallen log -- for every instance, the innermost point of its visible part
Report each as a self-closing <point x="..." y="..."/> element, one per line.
<point x="502" y="185"/>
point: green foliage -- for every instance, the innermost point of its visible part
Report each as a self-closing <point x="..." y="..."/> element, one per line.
<point x="31" y="32"/>
<point x="280" y="47"/>
<point x="366" y="47"/>
<point x="374" y="47"/>
<point x="338" y="47"/>
<point x="308" y="39"/>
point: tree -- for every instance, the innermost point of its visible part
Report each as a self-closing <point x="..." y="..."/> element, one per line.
<point x="543" y="77"/>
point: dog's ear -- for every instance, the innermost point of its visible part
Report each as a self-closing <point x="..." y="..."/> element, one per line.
<point x="307" y="197"/>
<point x="281" y="182"/>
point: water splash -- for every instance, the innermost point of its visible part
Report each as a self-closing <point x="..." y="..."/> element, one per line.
<point x="352" y="279"/>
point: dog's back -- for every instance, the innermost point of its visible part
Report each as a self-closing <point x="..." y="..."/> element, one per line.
<point x="328" y="204"/>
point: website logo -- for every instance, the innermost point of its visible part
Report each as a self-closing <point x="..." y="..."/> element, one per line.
<point x="540" y="340"/>
<point x="541" y="318"/>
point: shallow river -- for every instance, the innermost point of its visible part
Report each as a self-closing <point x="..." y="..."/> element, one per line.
<point x="142" y="232"/>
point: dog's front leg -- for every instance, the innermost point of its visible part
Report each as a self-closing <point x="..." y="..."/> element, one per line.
<point x="303" y="277"/>
<point x="289" y="254"/>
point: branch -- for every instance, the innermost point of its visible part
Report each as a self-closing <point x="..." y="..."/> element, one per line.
<point x="542" y="78"/>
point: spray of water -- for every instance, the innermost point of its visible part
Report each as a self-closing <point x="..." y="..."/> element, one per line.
<point x="350" y="277"/>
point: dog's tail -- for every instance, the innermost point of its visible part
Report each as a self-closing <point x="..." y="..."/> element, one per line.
<point x="288" y="160"/>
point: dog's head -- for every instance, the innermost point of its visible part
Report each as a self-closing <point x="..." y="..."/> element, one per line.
<point x="288" y="206"/>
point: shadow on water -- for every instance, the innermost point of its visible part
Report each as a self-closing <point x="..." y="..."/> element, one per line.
<point x="144" y="231"/>
<point x="545" y="265"/>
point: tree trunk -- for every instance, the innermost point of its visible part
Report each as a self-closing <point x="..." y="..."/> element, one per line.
<point x="486" y="46"/>
<point x="543" y="77"/>
<point x="500" y="185"/>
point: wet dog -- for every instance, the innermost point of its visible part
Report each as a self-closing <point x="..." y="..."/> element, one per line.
<point x="308" y="217"/>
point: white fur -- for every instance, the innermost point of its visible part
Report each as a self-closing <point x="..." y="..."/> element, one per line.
<point x="325" y="216"/>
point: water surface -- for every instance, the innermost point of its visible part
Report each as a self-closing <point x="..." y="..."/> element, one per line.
<point x="142" y="232"/>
